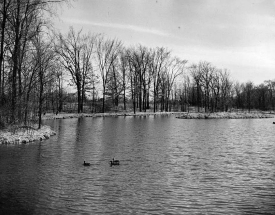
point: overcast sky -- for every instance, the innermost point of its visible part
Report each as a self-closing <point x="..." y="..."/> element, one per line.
<point x="238" y="35"/>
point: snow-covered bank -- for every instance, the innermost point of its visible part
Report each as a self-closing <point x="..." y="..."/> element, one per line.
<point x="180" y="115"/>
<point x="79" y="115"/>
<point x="226" y="115"/>
<point x="25" y="135"/>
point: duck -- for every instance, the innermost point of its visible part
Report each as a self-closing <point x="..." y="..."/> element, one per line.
<point x="86" y="164"/>
<point x="114" y="162"/>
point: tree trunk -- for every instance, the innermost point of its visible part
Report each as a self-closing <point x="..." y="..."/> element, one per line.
<point x="124" y="95"/>
<point x="154" y="99"/>
<point x="3" y="26"/>
<point x="103" y="100"/>
<point x="79" y="99"/>
<point x="40" y="100"/>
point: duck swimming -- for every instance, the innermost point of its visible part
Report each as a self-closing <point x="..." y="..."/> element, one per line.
<point x="86" y="164"/>
<point x="114" y="162"/>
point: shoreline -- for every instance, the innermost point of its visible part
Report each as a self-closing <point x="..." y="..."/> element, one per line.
<point x="227" y="115"/>
<point x="62" y="115"/>
<point x="179" y="115"/>
<point x="24" y="136"/>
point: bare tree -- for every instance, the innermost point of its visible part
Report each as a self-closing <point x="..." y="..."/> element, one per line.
<point x="196" y="74"/>
<point x="215" y="85"/>
<point x="21" y="21"/>
<point x="132" y="76"/>
<point x="207" y="71"/>
<point x="124" y="67"/>
<point x="185" y="94"/>
<point x="174" y="68"/>
<point x="45" y="56"/>
<point x="248" y="90"/>
<point x="271" y="88"/>
<point x="226" y="86"/>
<point x="159" y="60"/>
<point x="107" y="51"/>
<point x="5" y="5"/>
<point x="76" y="51"/>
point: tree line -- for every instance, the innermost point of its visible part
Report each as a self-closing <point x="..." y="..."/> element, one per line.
<point x="141" y="78"/>
<point x="28" y="62"/>
<point x="35" y="62"/>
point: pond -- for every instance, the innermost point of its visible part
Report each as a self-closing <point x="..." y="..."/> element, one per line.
<point x="167" y="166"/>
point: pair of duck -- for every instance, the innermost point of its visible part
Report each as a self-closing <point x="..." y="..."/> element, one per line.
<point x="112" y="162"/>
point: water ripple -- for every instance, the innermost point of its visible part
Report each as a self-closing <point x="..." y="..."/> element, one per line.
<point x="168" y="166"/>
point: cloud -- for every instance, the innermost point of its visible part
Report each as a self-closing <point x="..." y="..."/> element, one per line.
<point x="119" y="26"/>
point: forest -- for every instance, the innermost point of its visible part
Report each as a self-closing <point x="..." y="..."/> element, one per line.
<point x="39" y="67"/>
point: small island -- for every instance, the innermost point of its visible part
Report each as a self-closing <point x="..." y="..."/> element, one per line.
<point x="25" y="134"/>
<point x="227" y="115"/>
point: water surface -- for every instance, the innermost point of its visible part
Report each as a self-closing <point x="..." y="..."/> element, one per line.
<point x="168" y="166"/>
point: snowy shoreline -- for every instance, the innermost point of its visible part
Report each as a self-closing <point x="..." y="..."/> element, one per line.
<point x="23" y="136"/>
<point x="49" y="116"/>
<point x="179" y="115"/>
<point x="227" y="115"/>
